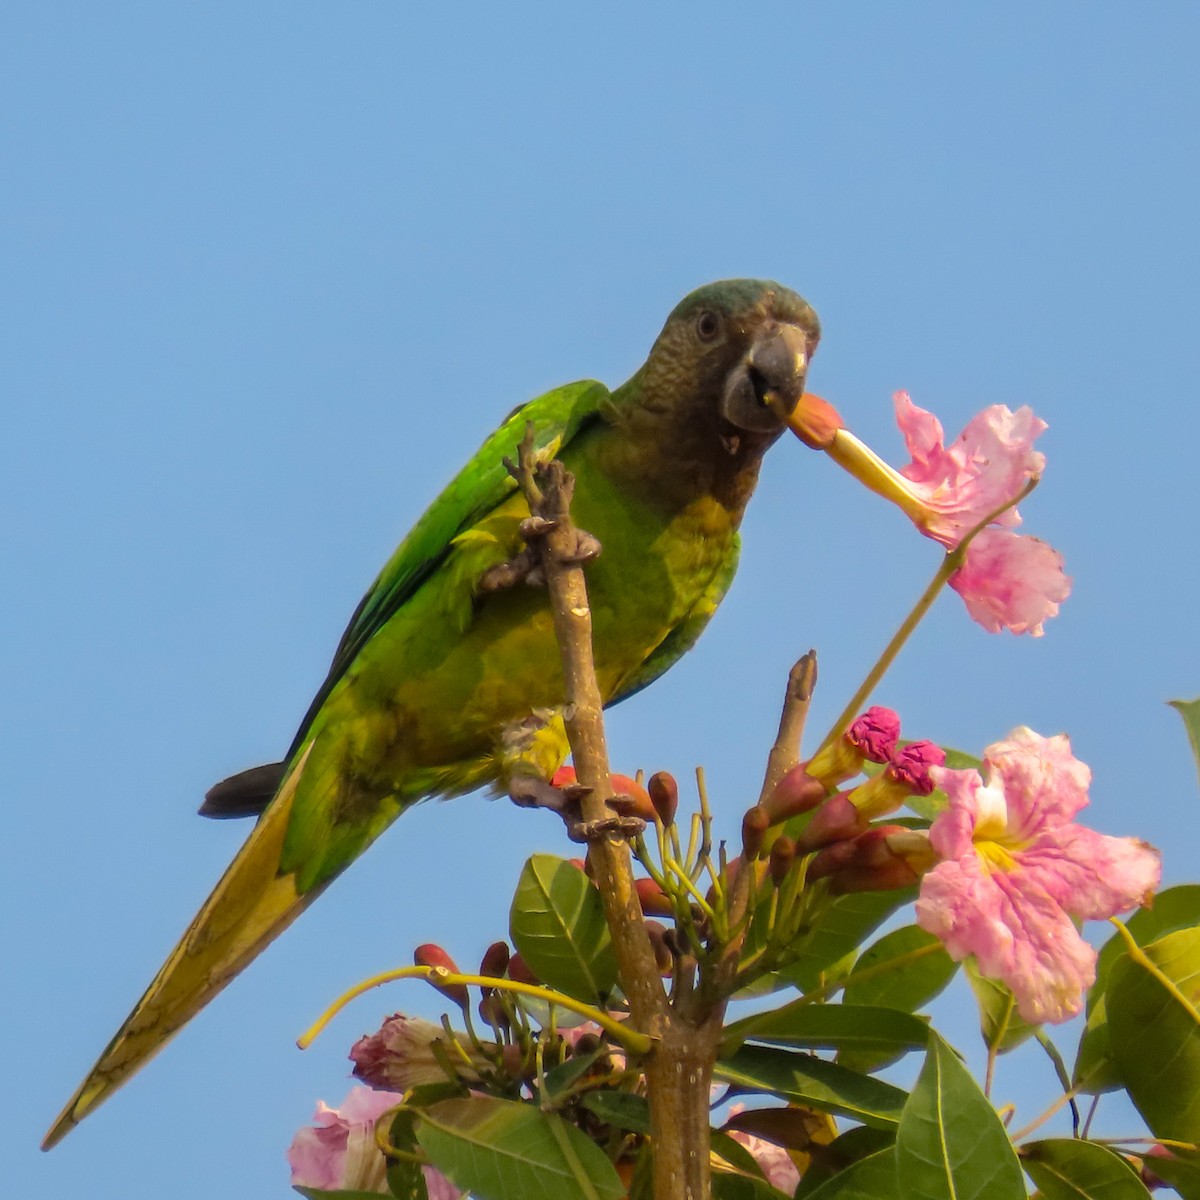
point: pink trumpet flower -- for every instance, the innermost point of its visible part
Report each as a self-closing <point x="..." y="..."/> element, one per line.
<point x="338" y="1151"/>
<point x="1008" y="581"/>
<point x="1015" y="869"/>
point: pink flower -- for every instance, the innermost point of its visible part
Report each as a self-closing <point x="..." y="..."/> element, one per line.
<point x="1008" y="581"/>
<point x="1011" y="581"/>
<point x="401" y="1055"/>
<point x="988" y="465"/>
<point x="339" y="1151"/>
<point x="775" y="1162"/>
<point x="1015" y="870"/>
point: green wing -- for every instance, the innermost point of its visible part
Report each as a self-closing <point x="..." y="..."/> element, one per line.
<point x="683" y="637"/>
<point x="479" y="487"/>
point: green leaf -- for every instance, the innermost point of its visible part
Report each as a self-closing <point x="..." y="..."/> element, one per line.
<point x="557" y="923"/>
<point x="909" y="968"/>
<point x="1155" y="1032"/>
<point x="805" y="1079"/>
<point x="1175" y="908"/>
<point x="871" y="1178"/>
<point x="1073" y="1169"/>
<point x="500" y="1149"/>
<point x="833" y="1027"/>
<point x="842" y="926"/>
<point x="1189" y="710"/>
<point x="726" y="1185"/>
<point x="1181" y="1170"/>
<point x="622" y="1109"/>
<point x="842" y="1153"/>
<point x="951" y="1145"/>
<point x="999" y="1022"/>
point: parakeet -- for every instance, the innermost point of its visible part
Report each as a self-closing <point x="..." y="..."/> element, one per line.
<point x="448" y="676"/>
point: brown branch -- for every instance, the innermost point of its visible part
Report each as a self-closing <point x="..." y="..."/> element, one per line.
<point x="679" y="1069"/>
<point x="785" y="754"/>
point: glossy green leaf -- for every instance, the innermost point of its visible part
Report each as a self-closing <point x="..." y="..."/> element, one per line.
<point x="1155" y="1032"/>
<point x="805" y="1079"/>
<point x="907" y="968"/>
<point x="557" y="923"/>
<point x="499" y="1149"/>
<point x="833" y="1027"/>
<point x="1175" y="908"/>
<point x="841" y="928"/>
<point x="727" y="1185"/>
<point x="871" y="1178"/>
<point x="1181" y="1170"/>
<point x="999" y="1022"/>
<point x="842" y="1153"/>
<point x="622" y="1109"/>
<point x="951" y="1145"/>
<point x="1073" y="1169"/>
<point x="1189" y="710"/>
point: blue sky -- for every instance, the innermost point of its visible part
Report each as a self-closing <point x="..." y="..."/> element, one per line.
<point x="272" y="271"/>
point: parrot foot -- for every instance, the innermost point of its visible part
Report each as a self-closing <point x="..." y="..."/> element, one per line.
<point x="521" y="568"/>
<point x="530" y="792"/>
<point x="585" y="550"/>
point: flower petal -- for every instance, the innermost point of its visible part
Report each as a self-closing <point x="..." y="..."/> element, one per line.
<point x="1016" y="932"/>
<point x="1090" y="875"/>
<point x="1045" y="785"/>
<point x="1011" y="581"/>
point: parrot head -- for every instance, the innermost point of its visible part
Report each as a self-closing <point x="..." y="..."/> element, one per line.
<point x="725" y="373"/>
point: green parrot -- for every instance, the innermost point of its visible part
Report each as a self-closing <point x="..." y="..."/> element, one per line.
<point x="449" y="677"/>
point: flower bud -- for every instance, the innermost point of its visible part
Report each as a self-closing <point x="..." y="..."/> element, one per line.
<point x="870" y="738"/>
<point x="815" y="421"/>
<point x="663" y="959"/>
<point x="906" y="774"/>
<point x="882" y="858"/>
<point x="493" y="1011"/>
<point x="432" y="955"/>
<point x="400" y="1055"/>
<point x="835" y="821"/>
<point x="652" y="898"/>
<point x="755" y="824"/>
<point x="495" y="960"/>
<point x="630" y="799"/>
<point x="783" y="858"/>
<point x="519" y="970"/>
<point x="797" y="792"/>
<point x="664" y="794"/>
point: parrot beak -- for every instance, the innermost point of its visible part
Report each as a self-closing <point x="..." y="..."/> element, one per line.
<point x="763" y="390"/>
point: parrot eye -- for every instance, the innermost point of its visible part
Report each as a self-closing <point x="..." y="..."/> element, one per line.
<point x="708" y="325"/>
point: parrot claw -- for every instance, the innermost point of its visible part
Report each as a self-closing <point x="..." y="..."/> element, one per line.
<point x="596" y="831"/>
<point x="587" y="549"/>
<point x="533" y="528"/>
<point x="522" y="568"/>
<point x="530" y="792"/>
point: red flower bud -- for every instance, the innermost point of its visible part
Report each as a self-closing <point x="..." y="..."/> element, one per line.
<point x="495" y="960"/>
<point x="797" y="792"/>
<point x="652" y="898"/>
<point x="630" y="799"/>
<point x="815" y="421"/>
<point x="663" y="958"/>
<point x="664" y="795"/>
<point x="432" y="955"/>
<point x="518" y="970"/>
<point x="836" y="820"/>
<point x="783" y="857"/>
<point x="755" y="824"/>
